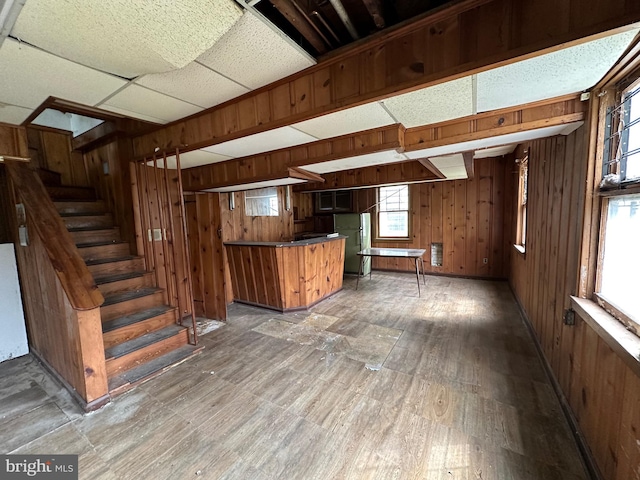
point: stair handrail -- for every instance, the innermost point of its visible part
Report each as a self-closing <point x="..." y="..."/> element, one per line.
<point x="75" y="278"/>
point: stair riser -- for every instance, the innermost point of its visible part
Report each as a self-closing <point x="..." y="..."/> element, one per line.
<point x="129" y="332"/>
<point x="116" y="366"/>
<point x="89" y="221"/>
<point x="144" y="281"/>
<point x="50" y="178"/>
<point x="88" y="208"/>
<point x="116" y="268"/>
<point x="96" y="236"/>
<point x="127" y="307"/>
<point x="114" y="250"/>
<point x="71" y="193"/>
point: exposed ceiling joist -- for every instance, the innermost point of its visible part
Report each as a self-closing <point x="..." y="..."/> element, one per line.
<point x="374" y="7"/>
<point x="468" y="163"/>
<point x="302" y="23"/>
<point x="302" y="174"/>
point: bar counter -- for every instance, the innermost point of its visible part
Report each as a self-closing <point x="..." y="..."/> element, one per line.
<point x="286" y="276"/>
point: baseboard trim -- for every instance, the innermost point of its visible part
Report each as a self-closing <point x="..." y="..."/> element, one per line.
<point x="588" y="460"/>
<point x="87" y="407"/>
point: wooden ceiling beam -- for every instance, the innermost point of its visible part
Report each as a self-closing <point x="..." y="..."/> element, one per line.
<point x="549" y="113"/>
<point x="466" y="37"/>
<point x="388" y="174"/>
<point x="244" y="170"/>
<point x="468" y="163"/>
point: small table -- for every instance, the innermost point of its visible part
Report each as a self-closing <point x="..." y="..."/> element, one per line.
<point x="415" y="253"/>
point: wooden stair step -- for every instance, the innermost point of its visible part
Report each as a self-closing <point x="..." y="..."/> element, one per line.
<point x="135" y="352"/>
<point x="49" y="177"/>
<point x="103" y="267"/>
<point x="95" y="221"/>
<point x="65" y="192"/>
<point x="131" y="301"/>
<point x="81" y="208"/>
<point x="137" y="375"/>
<point x="84" y="236"/>
<point x="112" y="284"/>
<point x="96" y="251"/>
<point x="123" y="329"/>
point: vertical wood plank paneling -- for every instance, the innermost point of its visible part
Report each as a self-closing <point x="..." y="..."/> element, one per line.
<point x="603" y="393"/>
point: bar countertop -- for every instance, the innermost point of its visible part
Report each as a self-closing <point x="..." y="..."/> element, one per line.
<point x="295" y="243"/>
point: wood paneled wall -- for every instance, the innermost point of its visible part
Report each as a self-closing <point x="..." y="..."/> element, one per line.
<point x="158" y="207"/>
<point x="115" y="186"/>
<point x="236" y="225"/>
<point x="471" y="218"/>
<point x="51" y="149"/>
<point x="207" y="255"/>
<point x="602" y="392"/>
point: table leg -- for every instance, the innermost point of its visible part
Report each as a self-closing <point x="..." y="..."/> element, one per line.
<point x="417" y="275"/>
<point x="359" y="271"/>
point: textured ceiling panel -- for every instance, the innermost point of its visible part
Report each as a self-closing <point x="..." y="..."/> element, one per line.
<point x="516" y="138"/>
<point x="150" y="103"/>
<point x="194" y="158"/>
<point x="378" y="158"/>
<point x="494" y="151"/>
<point x="125" y="37"/>
<point x="447" y="161"/>
<point x="261" y="142"/>
<point x="352" y="120"/>
<point x="254" y="55"/>
<point x="28" y="76"/>
<point x="195" y="84"/>
<point x="129" y="113"/>
<point x="559" y="73"/>
<point x="454" y="173"/>
<point x="433" y="104"/>
<point x="13" y="114"/>
<point x="252" y="186"/>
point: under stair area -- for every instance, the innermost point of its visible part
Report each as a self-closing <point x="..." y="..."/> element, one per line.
<point x="140" y="331"/>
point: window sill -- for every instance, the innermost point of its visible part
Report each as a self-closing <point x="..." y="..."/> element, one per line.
<point x="613" y="332"/>
<point x="519" y="248"/>
<point x="392" y="240"/>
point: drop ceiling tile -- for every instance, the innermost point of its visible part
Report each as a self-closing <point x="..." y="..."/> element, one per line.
<point x="433" y="104"/>
<point x="194" y="158"/>
<point x="351" y="120"/>
<point x="125" y="37"/>
<point x="129" y="113"/>
<point x="447" y="161"/>
<point x="559" y="73"/>
<point x="454" y="173"/>
<point x="494" y="151"/>
<point x="195" y="84"/>
<point x="516" y="138"/>
<point x="261" y="142"/>
<point x="151" y="103"/>
<point x="12" y="114"/>
<point x="29" y="75"/>
<point x="361" y="161"/>
<point x="253" y="54"/>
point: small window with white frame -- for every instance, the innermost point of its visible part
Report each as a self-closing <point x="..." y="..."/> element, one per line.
<point x="523" y="185"/>
<point x="262" y="202"/>
<point x="393" y="212"/>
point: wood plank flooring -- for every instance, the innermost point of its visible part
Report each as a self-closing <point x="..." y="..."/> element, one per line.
<point x="461" y="394"/>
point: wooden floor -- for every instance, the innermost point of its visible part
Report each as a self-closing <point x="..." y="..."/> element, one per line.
<point x="461" y="394"/>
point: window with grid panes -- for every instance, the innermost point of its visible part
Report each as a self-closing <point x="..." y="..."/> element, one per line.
<point x="393" y="212"/>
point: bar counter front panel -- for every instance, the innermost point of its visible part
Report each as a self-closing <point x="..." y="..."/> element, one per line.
<point x="286" y="276"/>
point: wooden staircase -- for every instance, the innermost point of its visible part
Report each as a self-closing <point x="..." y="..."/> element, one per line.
<point x="140" y="331"/>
